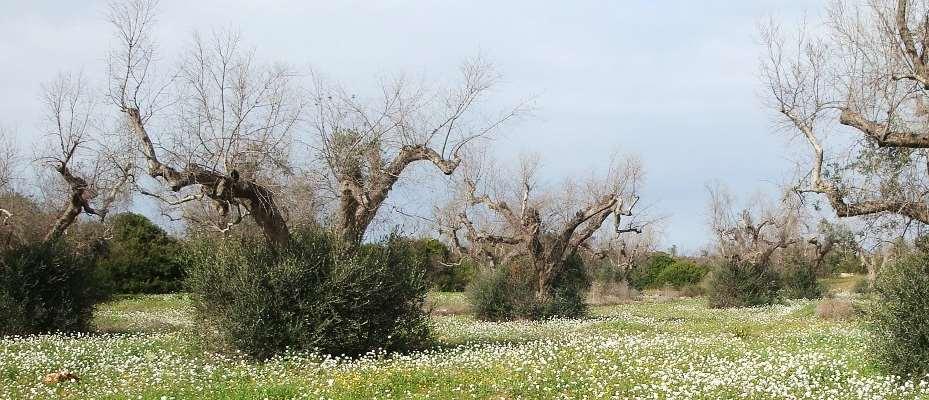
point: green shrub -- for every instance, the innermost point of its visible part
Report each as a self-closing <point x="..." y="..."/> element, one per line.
<point x="568" y="299"/>
<point x="45" y="287"/>
<point x="446" y="276"/>
<point x="312" y="294"/>
<point x="646" y="275"/>
<point x="607" y="273"/>
<point x="502" y="295"/>
<point x="511" y="292"/>
<point x="140" y="258"/>
<point x="843" y="257"/>
<point x="680" y="273"/>
<point x="442" y="274"/>
<point x="799" y="280"/>
<point x="742" y="284"/>
<point x="900" y="339"/>
<point x="454" y="277"/>
<point x="862" y="286"/>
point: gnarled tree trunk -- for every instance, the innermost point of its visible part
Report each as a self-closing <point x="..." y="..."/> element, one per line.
<point x="225" y="190"/>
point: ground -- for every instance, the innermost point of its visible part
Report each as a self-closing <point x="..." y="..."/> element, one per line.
<point x="147" y="348"/>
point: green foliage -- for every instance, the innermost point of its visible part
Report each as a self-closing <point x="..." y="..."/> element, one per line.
<point x="502" y="294"/>
<point x="452" y="277"/>
<point x="900" y="339"/>
<point x="569" y="291"/>
<point x="45" y="287"/>
<point x="646" y="275"/>
<point x="862" y="286"/>
<point x="140" y="258"/>
<point x="799" y="280"/>
<point x="843" y="257"/>
<point x="681" y="273"/>
<point x="511" y="292"/>
<point x="742" y="284"/>
<point x="314" y="293"/>
<point x="606" y="272"/>
<point x="443" y="275"/>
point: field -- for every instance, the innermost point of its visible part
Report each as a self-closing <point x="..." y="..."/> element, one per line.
<point x="146" y="348"/>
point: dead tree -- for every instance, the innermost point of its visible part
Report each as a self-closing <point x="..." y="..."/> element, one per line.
<point x="93" y="180"/>
<point x="868" y="79"/>
<point x="539" y="226"/>
<point x="217" y="129"/>
<point x="365" y="147"/>
<point x="753" y="234"/>
<point x="822" y="247"/>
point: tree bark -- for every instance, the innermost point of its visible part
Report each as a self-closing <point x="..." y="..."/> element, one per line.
<point x="360" y="200"/>
<point x="221" y="188"/>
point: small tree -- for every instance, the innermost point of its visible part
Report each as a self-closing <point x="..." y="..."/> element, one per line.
<point x="542" y="247"/>
<point x="314" y="293"/>
<point x="8" y="162"/>
<point x="45" y="287"/>
<point x="367" y="146"/>
<point x="898" y="320"/>
<point x="225" y="131"/>
<point x="141" y="257"/>
<point x="747" y="242"/>
<point x="100" y="174"/>
<point x="867" y="76"/>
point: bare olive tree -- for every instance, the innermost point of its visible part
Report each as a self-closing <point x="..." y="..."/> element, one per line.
<point x="546" y="226"/>
<point x="365" y="146"/>
<point x="867" y="79"/>
<point x="218" y="128"/>
<point x="94" y="173"/>
<point x="756" y="232"/>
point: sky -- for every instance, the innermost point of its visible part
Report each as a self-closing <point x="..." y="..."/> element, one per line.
<point x="674" y="82"/>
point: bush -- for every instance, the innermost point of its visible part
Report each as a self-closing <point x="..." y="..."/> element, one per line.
<point x="45" y="287"/>
<point x="742" y="284"/>
<point x="646" y="275"/>
<point x="510" y="292"/>
<point x="140" y="258"/>
<point x="441" y="273"/>
<point x="680" y="273"/>
<point x="502" y="295"/>
<point x="862" y="286"/>
<point x="568" y="298"/>
<point x="451" y="277"/>
<point x="312" y="294"/>
<point x="900" y="337"/>
<point x="799" y="281"/>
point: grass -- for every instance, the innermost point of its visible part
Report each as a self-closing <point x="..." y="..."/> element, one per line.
<point x="448" y="303"/>
<point x="840" y="284"/>
<point x="147" y="348"/>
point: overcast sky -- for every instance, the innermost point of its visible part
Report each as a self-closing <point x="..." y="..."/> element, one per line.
<point x="672" y="81"/>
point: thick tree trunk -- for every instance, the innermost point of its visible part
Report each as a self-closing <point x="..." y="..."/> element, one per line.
<point x="351" y="230"/>
<point x="67" y="217"/>
<point x="360" y="198"/>
<point x="266" y="214"/>
<point x="224" y="189"/>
